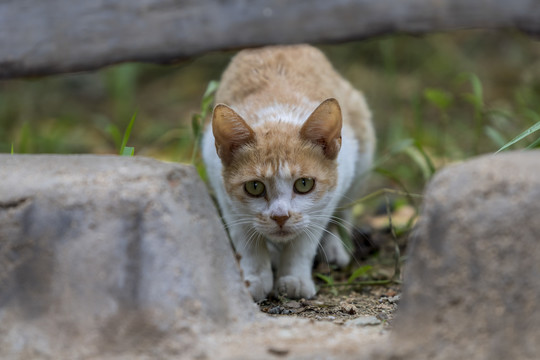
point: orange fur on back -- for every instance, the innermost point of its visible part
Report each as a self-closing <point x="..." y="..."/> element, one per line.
<point x="289" y="75"/>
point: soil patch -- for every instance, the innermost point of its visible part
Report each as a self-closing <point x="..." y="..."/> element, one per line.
<point x="377" y="302"/>
<point x="341" y="300"/>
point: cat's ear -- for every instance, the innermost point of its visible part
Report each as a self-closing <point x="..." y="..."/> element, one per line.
<point x="323" y="128"/>
<point x="230" y="131"/>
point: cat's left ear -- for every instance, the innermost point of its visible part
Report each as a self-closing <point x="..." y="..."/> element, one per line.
<point x="230" y="131"/>
<point x="323" y="127"/>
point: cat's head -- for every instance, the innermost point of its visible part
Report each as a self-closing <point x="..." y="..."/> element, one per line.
<point x="279" y="175"/>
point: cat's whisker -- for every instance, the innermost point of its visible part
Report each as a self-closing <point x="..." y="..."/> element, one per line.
<point x="239" y="220"/>
<point x="334" y="220"/>
<point x="312" y="237"/>
<point x="251" y="236"/>
<point x="229" y="226"/>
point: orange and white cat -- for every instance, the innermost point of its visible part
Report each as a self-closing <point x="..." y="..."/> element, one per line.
<point x="289" y="143"/>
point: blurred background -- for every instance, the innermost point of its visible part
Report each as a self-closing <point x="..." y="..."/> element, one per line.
<point x="435" y="99"/>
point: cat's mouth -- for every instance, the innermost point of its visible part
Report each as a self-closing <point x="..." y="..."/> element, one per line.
<point x="281" y="235"/>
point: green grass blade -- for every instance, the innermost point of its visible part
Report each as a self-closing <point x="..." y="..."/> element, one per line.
<point x="535" y="144"/>
<point x="327" y="279"/>
<point x="397" y="148"/>
<point x="127" y="133"/>
<point x="211" y="89"/>
<point x="476" y="98"/>
<point x="420" y="161"/>
<point x="128" y="151"/>
<point x="521" y="136"/>
<point x="427" y="159"/>
<point x="11" y="148"/>
<point x="208" y="98"/>
<point x="478" y="91"/>
<point x="495" y="136"/>
<point x="441" y="99"/>
<point x="361" y="271"/>
<point x="197" y="120"/>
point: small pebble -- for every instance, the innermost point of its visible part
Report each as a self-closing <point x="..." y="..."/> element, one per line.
<point x="292" y="304"/>
<point x="391" y="300"/>
<point x="348" y="308"/>
<point x="277" y="310"/>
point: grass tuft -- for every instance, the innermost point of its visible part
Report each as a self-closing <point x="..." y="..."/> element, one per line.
<point x="128" y="151"/>
<point x="523" y="135"/>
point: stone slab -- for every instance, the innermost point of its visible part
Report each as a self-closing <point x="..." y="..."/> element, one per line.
<point x="472" y="280"/>
<point x="104" y="255"/>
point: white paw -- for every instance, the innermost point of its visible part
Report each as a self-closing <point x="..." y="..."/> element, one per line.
<point x="295" y="287"/>
<point x="258" y="287"/>
<point x="332" y="251"/>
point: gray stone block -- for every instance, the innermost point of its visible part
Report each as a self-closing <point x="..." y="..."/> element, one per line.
<point x="110" y="255"/>
<point x="473" y="273"/>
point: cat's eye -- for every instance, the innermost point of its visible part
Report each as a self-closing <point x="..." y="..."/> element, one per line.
<point x="254" y="188"/>
<point x="304" y="185"/>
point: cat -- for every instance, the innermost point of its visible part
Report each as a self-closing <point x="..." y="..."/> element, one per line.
<point x="290" y="142"/>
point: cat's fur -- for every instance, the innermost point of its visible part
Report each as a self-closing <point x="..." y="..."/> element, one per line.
<point x="281" y="123"/>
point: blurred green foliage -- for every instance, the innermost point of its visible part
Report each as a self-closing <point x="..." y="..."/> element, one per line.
<point x="435" y="99"/>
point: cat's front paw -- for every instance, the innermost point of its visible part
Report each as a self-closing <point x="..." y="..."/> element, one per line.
<point x="333" y="251"/>
<point x="295" y="287"/>
<point x="258" y="287"/>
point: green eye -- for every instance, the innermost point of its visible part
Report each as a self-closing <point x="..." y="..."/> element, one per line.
<point x="254" y="188"/>
<point x="304" y="185"/>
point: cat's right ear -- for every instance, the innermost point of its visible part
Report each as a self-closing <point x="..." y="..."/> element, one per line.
<point x="323" y="128"/>
<point x="230" y="131"/>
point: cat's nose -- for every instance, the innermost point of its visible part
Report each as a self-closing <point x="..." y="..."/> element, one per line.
<point x="280" y="219"/>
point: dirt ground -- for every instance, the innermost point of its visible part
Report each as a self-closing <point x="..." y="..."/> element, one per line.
<point x="341" y="301"/>
<point x="375" y="304"/>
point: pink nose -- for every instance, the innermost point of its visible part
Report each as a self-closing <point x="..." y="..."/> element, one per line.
<point x="280" y="219"/>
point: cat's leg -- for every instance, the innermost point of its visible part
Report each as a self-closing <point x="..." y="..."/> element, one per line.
<point x="294" y="273"/>
<point x="332" y="249"/>
<point x="254" y="262"/>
